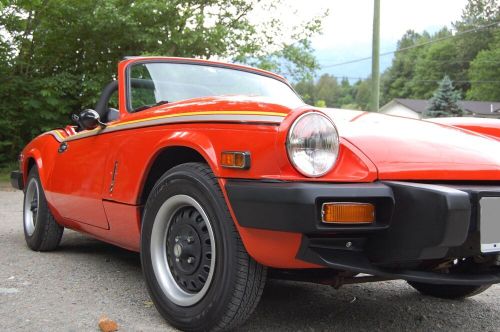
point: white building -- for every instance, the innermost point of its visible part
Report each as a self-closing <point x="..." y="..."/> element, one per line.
<point x="414" y="108"/>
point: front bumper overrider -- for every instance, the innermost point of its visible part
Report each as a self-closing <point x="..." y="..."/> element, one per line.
<point x="415" y="222"/>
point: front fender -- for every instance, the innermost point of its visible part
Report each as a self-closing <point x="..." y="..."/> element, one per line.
<point x="40" y="152"/>
<point x="195" y="140"/>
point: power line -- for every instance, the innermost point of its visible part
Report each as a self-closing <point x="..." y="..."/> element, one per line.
<point x="425" y="81"/>
<point x="482" y="27"/>
<point x="459" y="61"/>
<point x="459" y="81"/>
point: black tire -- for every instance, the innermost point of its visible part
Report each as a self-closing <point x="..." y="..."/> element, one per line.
<point x="450" y="292"/>
<point x="226" y="299"/>
<point x="41" y="231"/>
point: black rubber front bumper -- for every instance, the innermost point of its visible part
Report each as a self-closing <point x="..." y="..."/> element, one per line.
<point x="16" y="180"/>
<point x="415" y="222"/>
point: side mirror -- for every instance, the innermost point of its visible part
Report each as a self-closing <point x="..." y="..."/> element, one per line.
<point x="88" y="119"/>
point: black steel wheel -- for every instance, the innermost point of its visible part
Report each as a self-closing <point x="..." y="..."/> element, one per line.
<point x="182" y="250"/>
<point x="198" y="273"/>
<point x="190" y="249"/>
<point x="452" y="292"/>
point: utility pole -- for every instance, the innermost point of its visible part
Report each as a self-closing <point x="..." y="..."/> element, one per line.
<point x="375" y="57"/>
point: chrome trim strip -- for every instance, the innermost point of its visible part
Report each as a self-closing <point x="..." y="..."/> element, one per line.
<point x="241" y="118"/>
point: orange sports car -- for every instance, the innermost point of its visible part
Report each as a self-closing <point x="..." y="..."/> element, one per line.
<point x="219" y="175"/>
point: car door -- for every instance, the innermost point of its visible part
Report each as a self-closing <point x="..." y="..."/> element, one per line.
<point x="77" y="178"/>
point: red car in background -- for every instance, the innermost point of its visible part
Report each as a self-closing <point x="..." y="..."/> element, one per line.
<point x="219" y="174"/>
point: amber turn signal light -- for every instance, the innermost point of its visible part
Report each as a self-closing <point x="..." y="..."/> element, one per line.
<point x="235" y="159"/>
<point x="348" y="213"/>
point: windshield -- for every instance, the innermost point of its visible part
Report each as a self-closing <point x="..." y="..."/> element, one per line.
<point x="160" y="82"/>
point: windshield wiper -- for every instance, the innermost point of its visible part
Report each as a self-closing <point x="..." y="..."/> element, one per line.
<point x="161" y="102"/>
<point x="142" y="108"/>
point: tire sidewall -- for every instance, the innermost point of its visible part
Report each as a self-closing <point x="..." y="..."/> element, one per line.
<point x="35" y="240"/>
<point x="449" y="292"/>
<point x="211" y="306"/>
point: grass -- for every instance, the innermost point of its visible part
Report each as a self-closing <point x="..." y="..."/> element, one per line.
<point x="5" y="172"/>
<point x="4" y="177"/>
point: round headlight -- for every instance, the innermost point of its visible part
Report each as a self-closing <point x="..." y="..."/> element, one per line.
<point x="313" y="144"/>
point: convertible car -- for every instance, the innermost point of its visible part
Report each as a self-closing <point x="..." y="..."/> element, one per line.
<point x="220" y="176"/>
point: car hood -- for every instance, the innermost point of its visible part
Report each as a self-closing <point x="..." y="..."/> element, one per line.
<point x="485" y="126"/>
<point x="409" y="149"/>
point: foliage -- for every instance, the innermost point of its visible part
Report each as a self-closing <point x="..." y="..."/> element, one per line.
<point x="57" y="55"/>
<point x="307" y="90"/>
<point x="433" y="64"/>
<point x="5" y="173"/>
<point x="346" y="94"/>
<point x="396" y="81"/>
<point x="362" y="93"/>
<point x="444" y="102"/>
<point x="320" y="103"/>
<point x="327" y="92"/>
<point x="291" y="56"/>
<point x="484" y="72"/>
<point x="467" y="55"/>
<point x="476" y="13"/>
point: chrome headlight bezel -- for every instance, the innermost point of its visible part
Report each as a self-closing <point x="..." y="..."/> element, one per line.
<point x="331" y="147"/>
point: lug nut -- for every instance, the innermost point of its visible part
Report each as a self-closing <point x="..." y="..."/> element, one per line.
<point x="190" y="260"/>
<point x="190" y="239"/>
<point x="176" y="239"/>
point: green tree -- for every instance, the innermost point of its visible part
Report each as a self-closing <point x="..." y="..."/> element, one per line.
<point x="328" y="90"/>
<point x="436" y="60"/>
<point x="484" y="73"/>
<point x="57" y="55"/>
<point x="477" y="13"/>
<point x="422" y="59"/>
<point x="352" y="106"/>
<point x="363" y="93"/>
<point x="346" y="97"/>
<point x="307" y="90"/>
<point x="397" y="80"/>
<point x="445" y="101"/>
<point x="320" y="103"/>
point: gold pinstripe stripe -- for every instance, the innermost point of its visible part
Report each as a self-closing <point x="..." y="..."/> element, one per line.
<point x="178" y="115"/>
<point x="58" y="134"/>
<point x="199" y="113"/>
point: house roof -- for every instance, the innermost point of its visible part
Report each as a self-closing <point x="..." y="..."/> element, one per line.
<point x="476" y="107"/>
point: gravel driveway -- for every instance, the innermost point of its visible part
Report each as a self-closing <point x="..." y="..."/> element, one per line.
<point x="69" y="290"/>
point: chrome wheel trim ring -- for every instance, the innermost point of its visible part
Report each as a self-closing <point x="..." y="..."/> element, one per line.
<point x="31" y="206"/>
<point x="158" y="251"/>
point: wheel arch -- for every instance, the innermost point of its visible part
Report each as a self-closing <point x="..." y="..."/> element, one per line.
<point x="30" y="163"/>
<point x="166" y="158"/>
<point x="31" y="159"/>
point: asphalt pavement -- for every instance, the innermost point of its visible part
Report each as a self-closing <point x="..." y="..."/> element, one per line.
<point x="71" y="288"/>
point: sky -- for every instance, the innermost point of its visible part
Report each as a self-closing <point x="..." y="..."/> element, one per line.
<point x="347" y="31"/>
